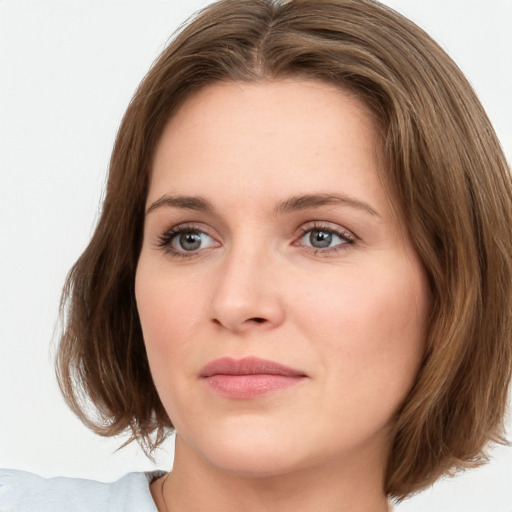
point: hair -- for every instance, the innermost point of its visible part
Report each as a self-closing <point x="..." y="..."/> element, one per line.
<point x="445" y="168"/>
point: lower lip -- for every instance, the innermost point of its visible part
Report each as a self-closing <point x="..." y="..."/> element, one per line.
<point x="250" y="386"/>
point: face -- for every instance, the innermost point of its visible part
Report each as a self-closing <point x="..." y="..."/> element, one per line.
<point x="282" y="306"/>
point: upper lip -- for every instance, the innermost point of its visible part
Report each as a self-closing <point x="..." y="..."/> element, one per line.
<point x="248" y="366"/>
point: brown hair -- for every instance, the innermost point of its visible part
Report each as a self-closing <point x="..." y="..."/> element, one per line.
<point x="445" y="166"/>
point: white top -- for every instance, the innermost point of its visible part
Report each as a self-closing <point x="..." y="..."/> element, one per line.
<point x="25" y="492"/>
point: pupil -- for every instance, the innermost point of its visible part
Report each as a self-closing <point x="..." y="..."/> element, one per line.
<point x="320" y="239"/>
<point x="190" y="241"/>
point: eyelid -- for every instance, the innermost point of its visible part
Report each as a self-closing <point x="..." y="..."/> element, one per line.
<point x="327" y="226"/>
<point x="165" y="239"/>
<point x="348" y="237"/>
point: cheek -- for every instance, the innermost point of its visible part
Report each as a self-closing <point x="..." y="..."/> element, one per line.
<point x="169" y="312"/>
<point x="371" y="326"/>
<point x="168" y="309"/>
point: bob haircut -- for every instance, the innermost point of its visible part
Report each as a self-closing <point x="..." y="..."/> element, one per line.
<point x="446" y="175"/>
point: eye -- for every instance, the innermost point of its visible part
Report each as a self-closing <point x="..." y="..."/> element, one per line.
<point x="190" y="240"/>
<point x="321" y="238"/>
<point x="325" y="238"/>
<point x="185" y="241"/>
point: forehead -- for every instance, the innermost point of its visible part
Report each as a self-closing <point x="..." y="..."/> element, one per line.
<point x="259" y="138"/>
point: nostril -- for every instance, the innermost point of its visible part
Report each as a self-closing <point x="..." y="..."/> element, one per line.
<point x="256" y="320"/>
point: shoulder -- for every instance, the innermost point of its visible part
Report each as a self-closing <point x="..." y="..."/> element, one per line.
<point x="25" y="492"/>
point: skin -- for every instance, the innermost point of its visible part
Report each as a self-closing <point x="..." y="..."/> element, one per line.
<point x="351" y="315"/>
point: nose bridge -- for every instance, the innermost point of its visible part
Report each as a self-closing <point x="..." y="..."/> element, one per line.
<point x="246" y="293"/>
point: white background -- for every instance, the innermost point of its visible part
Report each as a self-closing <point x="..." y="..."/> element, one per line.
<point x="67" y="71"/>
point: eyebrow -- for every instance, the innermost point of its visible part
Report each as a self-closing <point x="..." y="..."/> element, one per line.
<point x="303" y="202"/>
<point x="294" y="203"/>
<point x="197" y="203"/>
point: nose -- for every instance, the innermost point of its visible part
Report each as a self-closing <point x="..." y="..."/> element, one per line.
<point x="247" y="295"/>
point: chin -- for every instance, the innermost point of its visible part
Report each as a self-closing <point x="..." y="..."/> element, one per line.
<point x="250" y="450"/>
<point x="254" y="461"/>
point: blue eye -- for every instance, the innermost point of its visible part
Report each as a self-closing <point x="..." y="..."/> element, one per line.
<point x="185" y="241"/>
<point x="190" y="240"/>
<point x="325" y="238"/>
<point x="320" y="238"/>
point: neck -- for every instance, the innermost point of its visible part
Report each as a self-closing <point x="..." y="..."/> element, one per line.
<point x="354" y="485"/>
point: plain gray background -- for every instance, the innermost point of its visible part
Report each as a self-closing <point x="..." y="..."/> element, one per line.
<point x="67" y="72"/>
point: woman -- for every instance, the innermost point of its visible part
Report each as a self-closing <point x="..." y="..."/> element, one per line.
<point x="294" y="268"/>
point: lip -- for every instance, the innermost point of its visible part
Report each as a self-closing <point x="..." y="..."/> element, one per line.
<point x="249" y="377"/>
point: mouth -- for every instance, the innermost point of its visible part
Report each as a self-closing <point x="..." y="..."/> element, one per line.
<point x="249" y="377"/>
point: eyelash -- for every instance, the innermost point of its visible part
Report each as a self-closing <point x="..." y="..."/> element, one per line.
<point x="344" y="234"/>
<point x="165" y="240"/>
